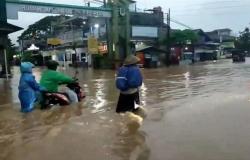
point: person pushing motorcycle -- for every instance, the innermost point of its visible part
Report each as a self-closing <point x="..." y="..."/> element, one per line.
<point x="52" y="79"/>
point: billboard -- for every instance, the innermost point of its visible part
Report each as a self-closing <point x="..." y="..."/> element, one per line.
<point x="39" y="7"/>
<point x="142" y="31"/>
<point x="54" y="41"/>
<point x="92" y="45"/>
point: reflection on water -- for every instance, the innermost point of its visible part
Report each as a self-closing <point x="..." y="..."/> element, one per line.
<point x="194" y="112"/>
<point x="62" y="134"/>
<point x="132" y="147"/>
<point x="99" y="100"/>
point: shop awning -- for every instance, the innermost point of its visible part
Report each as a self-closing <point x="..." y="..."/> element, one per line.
<point x="7" y="28"/>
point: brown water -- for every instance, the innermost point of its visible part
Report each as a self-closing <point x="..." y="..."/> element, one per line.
<point x="194" y="112"/>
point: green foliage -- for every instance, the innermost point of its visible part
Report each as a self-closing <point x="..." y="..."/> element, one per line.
<point x="10" y="50"/>
<point x="190" y="35"/>
<point x="41" y="29"/>
<point x="181" y="37"/>
<point x="27" y="56"/>
<point x="243" y="41"/>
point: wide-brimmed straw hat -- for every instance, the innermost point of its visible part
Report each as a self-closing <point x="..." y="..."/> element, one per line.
<point x="131" y="59"/>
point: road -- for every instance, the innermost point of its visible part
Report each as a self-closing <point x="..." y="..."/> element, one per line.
<point x="194" y="112"/>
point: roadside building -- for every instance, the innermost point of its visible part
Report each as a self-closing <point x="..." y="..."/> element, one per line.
<point x="226" y="39"/>
<point x="150" y="57"/>
<point x="221" y="35"/>
<point x="204" y="48"/>
<point x="148" y="28"/>
<point x="69" y="39"/>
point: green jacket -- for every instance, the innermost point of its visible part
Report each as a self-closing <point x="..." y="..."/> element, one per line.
<point x="51" y="80"/>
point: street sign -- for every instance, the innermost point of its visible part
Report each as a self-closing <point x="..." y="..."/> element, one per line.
<point x="54" y="41"/>
<point x="92" y="45"/>
<point x="15" y="6"/>
<point x="144" y="31"/>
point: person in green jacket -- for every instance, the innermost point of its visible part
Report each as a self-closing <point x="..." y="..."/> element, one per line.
<point x="51" y="80"/>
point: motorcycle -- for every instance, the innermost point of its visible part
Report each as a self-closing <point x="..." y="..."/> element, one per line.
<point x="50" y="99"/>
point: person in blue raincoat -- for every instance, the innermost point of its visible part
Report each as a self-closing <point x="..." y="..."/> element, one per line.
<point x="128" y="81"/>
<point x="29" y="89"/>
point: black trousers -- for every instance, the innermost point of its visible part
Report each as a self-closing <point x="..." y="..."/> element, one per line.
<point x="126" y="102"/>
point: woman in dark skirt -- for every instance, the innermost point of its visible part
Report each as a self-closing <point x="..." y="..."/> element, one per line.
<point x="128" y="102"/>
<point x="130" y="76"/>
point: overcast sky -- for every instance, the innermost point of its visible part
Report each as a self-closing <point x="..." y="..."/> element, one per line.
<point x="205" y="14"/>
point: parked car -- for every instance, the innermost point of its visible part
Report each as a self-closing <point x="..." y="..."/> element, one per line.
<point x="238" y="56"/>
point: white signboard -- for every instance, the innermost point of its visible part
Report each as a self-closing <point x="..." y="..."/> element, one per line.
<point x="140" y="31"/>
<point x="13" y="9"/>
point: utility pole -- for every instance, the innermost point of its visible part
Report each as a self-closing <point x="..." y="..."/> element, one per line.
<point x="168" y="38"/>
<point x="108" y="34"/>
<point x="127" y="29"/>
<point x="120" y="28"/>
<point x="115" y="31"/>
<point x="3" y="39"/>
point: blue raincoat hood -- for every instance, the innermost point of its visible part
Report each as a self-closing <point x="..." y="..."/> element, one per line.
<point x="26" y="67"/>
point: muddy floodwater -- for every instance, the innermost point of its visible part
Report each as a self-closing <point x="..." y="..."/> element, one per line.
<point x="197" y="112"/>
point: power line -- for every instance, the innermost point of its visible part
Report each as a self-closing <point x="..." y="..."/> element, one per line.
<point x="220" y="12"/>
<point x="211" y="6"/>
<point x="223" y="1"/>
<point x="210" y="3"/>
<point x="215" y="8"/>
<point x="231" y="12"/>
<point x="179" y="23"/>
<point x="98" y="2"/>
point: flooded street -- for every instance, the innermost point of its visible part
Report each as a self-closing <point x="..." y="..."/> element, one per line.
<point x="198" y="112"/>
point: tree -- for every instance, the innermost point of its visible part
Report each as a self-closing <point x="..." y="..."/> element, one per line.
<point x="10" y="50"/>
<point x="181" y="37"/>
<point x="243" y="42"/>
<point x="27" y="56"/>
<point x="41" y="29"/>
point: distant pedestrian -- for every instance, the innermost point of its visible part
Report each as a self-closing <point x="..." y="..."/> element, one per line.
<point x="128" y="81"/>
<point x="29" y="89"/>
